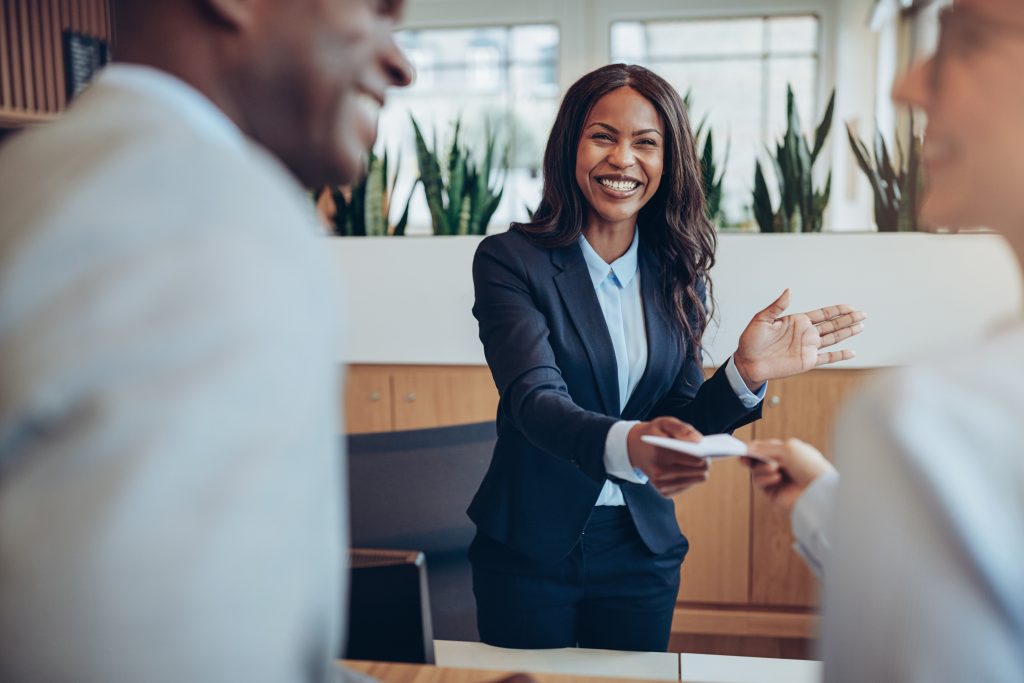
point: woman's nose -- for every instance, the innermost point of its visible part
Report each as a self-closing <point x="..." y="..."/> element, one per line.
<point x="621" y="156"/>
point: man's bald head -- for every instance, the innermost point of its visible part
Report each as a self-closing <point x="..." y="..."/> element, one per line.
<point x="304" y="78"/>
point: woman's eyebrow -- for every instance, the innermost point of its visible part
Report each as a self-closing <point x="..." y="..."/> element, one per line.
<point x="615" y="130"/>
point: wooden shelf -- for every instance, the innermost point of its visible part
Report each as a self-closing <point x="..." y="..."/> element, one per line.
<point x="12" y="118"/>
<point x="714" y="620"/>
<point x="32" y="78"/>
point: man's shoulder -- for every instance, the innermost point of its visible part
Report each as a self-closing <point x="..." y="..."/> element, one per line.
<point x="954" y="421"/>
<point x="125" y="200"/>
<point x="83" y="179"/>
<point x="113" y="137"/>
<point x="979" y="379"/>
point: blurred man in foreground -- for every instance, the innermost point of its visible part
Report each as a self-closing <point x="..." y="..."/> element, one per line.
<point x="170" y="485"/>
<point x="924" y="560"/>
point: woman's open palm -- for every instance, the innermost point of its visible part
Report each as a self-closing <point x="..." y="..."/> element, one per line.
<point x="774" y="346"/>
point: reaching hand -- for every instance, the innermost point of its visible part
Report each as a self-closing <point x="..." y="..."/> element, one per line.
<point x="794" y="466"/>
<point x="669" y="471"/>
<point x="774" y="346"/>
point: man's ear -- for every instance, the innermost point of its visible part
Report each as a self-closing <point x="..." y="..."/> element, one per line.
<point x="237" y="14"/>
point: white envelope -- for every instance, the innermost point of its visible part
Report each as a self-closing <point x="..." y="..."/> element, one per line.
<point x="711" y="447"/>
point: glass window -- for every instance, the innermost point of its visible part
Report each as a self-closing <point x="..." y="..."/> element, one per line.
<point x="736" y="71"/>
<point x="504" y="77"/>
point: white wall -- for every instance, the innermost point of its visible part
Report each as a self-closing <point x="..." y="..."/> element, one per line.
<point x="855" y="79"/>
<point x="848" y="59"/>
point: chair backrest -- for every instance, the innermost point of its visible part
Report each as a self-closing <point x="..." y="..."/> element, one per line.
<point x="389" y="608"/>
<point x="411" y="490"/>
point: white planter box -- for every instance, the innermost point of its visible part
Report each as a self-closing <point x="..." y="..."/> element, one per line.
<point x="408" y="299"/>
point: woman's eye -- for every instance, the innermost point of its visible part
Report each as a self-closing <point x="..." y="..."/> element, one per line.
<point x="648" y="141"/>
<point x="601" y="136"/>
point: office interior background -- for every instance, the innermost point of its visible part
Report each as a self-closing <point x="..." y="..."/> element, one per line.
<point x="414" y="361"/>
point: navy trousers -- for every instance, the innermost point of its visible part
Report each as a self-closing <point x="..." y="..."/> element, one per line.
<point x="610" y="592"/>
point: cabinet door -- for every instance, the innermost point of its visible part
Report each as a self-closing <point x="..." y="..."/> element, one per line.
<point x="443" y="395"/>
<point x="368" y="404"/>
<point x="715" y="517"/>
<point x="803" y="407"/>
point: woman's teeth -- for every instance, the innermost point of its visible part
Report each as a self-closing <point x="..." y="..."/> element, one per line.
<point x="619" y="185"/>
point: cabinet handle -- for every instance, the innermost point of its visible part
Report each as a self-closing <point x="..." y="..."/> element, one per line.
<point x="410" y="397"/>
<point x="375" y="396"/>
<point x="774" y="401"/>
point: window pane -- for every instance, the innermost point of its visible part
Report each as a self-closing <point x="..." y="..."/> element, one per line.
<point x="503" y="78"/>
<point x="704" y="38"/>
<point x="530" y="80"/>
<point x="629" y="44"/>
<point x="800" y="74"/>
<point x="535" y="44"/>
<point x="793" y="34"/>
<point x="728" y="95"/>
<point x="736" y="82"/>
<point x="450" y="46"/>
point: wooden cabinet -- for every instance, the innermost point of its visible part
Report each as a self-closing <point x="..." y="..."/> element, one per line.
<point x="715" y="517"/>
<point x="804" y="408"/>
<point x="32" y="79"/>
<point x="368" y="402"/>
<point x="744" y="589"/>
<point x="382" y="398"/>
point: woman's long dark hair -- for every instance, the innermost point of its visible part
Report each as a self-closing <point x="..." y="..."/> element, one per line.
<point x="673" y="223"/>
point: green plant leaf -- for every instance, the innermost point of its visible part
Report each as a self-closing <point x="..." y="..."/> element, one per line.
<point x="762" y="203"/>
<point x="821" y="134"/>
<point x="375" y="218"/>
<point x="433" y="183"/>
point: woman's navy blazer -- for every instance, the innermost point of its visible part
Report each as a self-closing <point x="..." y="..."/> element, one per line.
<point x="551" y="356"/>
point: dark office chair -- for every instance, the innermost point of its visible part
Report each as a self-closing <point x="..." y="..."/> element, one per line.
<point x="389" y="611"/>
<point x="411" y="490"/>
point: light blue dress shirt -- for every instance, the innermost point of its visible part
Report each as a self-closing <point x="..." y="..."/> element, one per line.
<point x="617" y="286"/>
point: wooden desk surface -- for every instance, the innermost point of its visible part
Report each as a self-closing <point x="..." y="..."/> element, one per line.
<point x="419" y="673"/>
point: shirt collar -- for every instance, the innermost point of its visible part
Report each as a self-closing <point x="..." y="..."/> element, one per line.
<point x="622" y="270"/>
<point x="192" y="107"/>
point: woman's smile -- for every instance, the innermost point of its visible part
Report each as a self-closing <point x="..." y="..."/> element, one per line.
<point x="619" y="186"/>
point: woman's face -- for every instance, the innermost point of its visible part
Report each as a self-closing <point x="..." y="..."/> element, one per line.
<point x="972" y="94"/>
<point x="620" y="156"/>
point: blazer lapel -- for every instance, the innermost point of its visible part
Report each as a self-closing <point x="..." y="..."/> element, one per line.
<point x="577" y="292"/>
<point x="663" y="343"/>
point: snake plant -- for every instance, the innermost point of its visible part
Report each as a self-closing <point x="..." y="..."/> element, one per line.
<point x="364" y="208"/>
<point x="802" y="206"/>
<point x="714" y="177"/>
<point x="464" y="197"/>
<point x="713" y="172"/>
<point x="896" y="188"/>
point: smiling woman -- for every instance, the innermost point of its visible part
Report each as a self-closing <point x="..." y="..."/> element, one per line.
<point x="591" y="317"/>
<point x="618" y="169"/>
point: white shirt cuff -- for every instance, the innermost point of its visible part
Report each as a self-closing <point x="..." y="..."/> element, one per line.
<point x="616" y="454"/>
<point x="811" y="519"/>
<point x="742" y="391"/>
